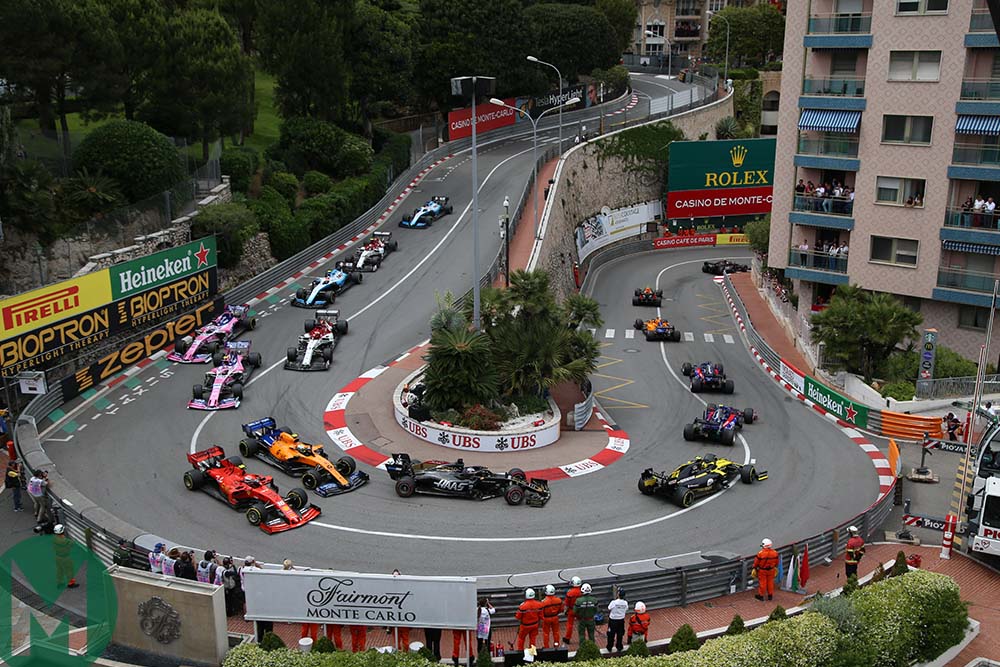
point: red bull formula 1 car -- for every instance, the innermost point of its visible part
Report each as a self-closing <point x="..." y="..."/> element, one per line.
<point x="369" y="256"/>
<point x="457" y="480"/>
<point x="647" y="297"/>
<point x="314" y="351"/>
<point x="707" y="376"/>
<point x="226" y="479"/>
<point x="699" y="477"/>
<point x="223" y="388"/>
<point x="720" y="423"/>
<point x="199" y="349"/>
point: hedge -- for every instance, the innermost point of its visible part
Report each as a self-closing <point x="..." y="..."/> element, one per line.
<point x="240" y="164"/>
<point x="316" y="183"/>
<point x="232" y="224"/>
<point x="251" y="655"/>
<point x="308" y="144"/>
<point x="143" y="161"/>
<point x="286" y="184"/>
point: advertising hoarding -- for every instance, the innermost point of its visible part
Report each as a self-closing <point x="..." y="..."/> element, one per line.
<point x="684" y="241"/>
<point x="348" y="598"/>
<point x="48" y="305"/>
<point x="839" y="406"/>
<point x="720" y="178"/>
<point x="603" y="229"/>
<point x="488" y="117"/>
<point x="161" y="268"/>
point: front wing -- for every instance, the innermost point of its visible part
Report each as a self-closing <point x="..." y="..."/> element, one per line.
<point x="357" y="479"/>
<point x="223" y="404"/>
<point x="319" y="302"/>
<point x="317" y="363"/>
<point x="280" y="525"/>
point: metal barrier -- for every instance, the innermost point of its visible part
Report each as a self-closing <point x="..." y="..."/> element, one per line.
<point x="584" y="409"/>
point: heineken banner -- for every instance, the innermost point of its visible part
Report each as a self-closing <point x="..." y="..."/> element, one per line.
<point x="719" y="178"/>
<point x="837" y="405"/>
<point x="162" y="267"/>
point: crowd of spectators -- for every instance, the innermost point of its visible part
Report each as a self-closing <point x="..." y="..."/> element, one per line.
<point x="826" y="197"/>
<point x="979" y="212"/>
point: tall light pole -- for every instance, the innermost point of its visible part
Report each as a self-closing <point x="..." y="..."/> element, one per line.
<point x="559" y="74"/>
<point x="670" y="52"/>
<point x="725" y="76"/>
<point x="506" y="240"/>
<point x="534" y="135"/>
<point x="466" y="86"/>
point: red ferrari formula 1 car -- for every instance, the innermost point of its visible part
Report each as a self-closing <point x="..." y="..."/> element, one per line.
<point x="256" y="495"/>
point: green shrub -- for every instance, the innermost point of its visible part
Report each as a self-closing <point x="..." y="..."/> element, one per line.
<point x="426" y="654"/>
<point x="143" y="161"/>
<point x="901" y="390"/>
<point x="271" y="642"/>
<point x="286" y="184"/>
<point x="484" y="659"/>
<point x="232" y="224"/>
<point x="288" y="236"/>
<point x="840" y="610"/>
<point x="878" y="575"/>
<point x="356" y="197"/>
<point x="323" y="645"/>
<point x="355" y="157"/>
<point x="587" y="651"/>
<point x="736" y="626"/>
<point x="899" y="567"/>
<point x="744" y="73"/>
<point x="904" y="365"/>
<point x="270" y="208"/>
<point x="450" y="416"/>
<point x="684" y="639"/>
<point x="308" y="144"/>
<point x="392" y="149"/>
<point x="779" y="614"/>
<point x="240" y="164"/>
<point x="802" y="641"/>
<point x="851" y="585"/>
<point x="316" y="183"/>
<point x="637" y="648"/>
<point x="479" y="418"/>
<point x="251" y="655"/>
<point x="322" y="215"/>
<point x="528" y="404"/>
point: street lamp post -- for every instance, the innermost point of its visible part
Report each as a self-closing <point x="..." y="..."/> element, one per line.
<point x="506" y="241"/>
<point x="725" y="76"/>
<point x="670" y="53"/>
<point x="559" y="74"/>
<point x="534" y="140"/>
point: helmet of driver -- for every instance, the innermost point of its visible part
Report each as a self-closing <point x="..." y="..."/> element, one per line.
<point x="550" y="590"/>
<point x="576" y="581"/>
<point x="766" y="543"/>
<point x="586" y="589"/>
<point x="529" y="594"/>
<point x="58" y="530"/>
<point x="640" y="607"/>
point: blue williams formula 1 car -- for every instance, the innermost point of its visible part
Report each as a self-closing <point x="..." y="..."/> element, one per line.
<point x="707" y="376"/>
<point x="323" y="291"/>
<point x="720" y="423"/>
<point x="425" y="215"/>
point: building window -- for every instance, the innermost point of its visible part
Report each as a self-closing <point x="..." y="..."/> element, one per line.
<point x="973" y="317"/>
<point x="921" y="6"/>
<point x="914" y="65"/>
<point x="907" y="129"/>
<point x="900" y="191"/>
<point x="716" y="5"/>
<point x="658" y="29"/>
<point x="654" y="49"/>
<point x="894" y="251"/>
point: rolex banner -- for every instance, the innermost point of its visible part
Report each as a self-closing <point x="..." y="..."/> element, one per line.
<point x="347" y="598"/>
<point x="720" y="178"/>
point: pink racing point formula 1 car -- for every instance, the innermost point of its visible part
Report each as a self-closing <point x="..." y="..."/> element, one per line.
<point x="199" y="349"/>
<point x="223" y="386"/>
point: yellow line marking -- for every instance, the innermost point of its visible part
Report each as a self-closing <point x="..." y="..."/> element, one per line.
<point x="622" y="382"/>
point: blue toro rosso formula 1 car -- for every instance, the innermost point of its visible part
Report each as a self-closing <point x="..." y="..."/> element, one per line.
<point x="425" y="215"/>
<point x="323" y="291"/>
<point x="720" y="423"/>
<point x="707" y="376"/>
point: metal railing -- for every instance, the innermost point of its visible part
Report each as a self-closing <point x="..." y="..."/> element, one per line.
<point x="980" y="89"/>
<point x="979" y="220"/>
<point x="957" y="387"/>
<point x="972" y="281"/>
<point x="981" y="20"/>
<point x="824" y="205"/>
<point x="819" y="261"/>
<point x="840" y="24"/>
<point x="976" y="154"/>
<point x="836" y="86"/>
<point x="829" y="146"/>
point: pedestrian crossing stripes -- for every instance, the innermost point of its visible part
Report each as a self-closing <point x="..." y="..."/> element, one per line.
<point x="610" y="333"/>
<point x="709" y="338"/>
<point x="630" y="333"/>
<point x="728" y="339"/>
<point x="688" y="336"/>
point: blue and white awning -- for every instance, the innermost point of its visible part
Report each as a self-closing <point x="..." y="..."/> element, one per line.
<point x="979" y="248"/>
<point x="821" y="120"/>
<point x="981" y="125"/>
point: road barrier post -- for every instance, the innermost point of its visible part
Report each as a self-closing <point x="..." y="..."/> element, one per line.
<point x="949" y="534"/>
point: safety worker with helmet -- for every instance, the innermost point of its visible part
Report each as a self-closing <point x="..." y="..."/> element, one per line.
<point x="63" y="548"/>
<point x="530" y="615"/>
<point x="585" y="610"/>
<point x="638" y="622"/>
<point x="855" y="551"/>
<point x="551" y="608"/>
<point x="765" y="565"/>
<point x="571" y="596"/>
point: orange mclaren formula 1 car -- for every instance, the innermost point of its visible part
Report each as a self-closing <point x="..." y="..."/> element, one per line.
<point x="658" y="329"/>
<point x="283" y="449"/>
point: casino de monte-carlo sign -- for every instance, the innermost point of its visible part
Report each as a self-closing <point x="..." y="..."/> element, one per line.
<point x="348" y="598"/>
<point x="720" y="178"/>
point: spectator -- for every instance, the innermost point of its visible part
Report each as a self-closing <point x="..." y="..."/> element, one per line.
<point x="185" y="567"/>
<point x="989" y="209"/>
<point x="232" y="587"/>
<point x="834" y="251"/>
<point x="953" y="426"/>
<point x="616" y="621"/>
<point x="432" y="640"/>
<point x="207" y="567"/>
<point x="918" y="200"/>
<point x="992" y="409"/>
<point x="967" y="212"/>
<point x="483" y="631"/>
<point x="803" y="252"/>
<point x="977" y="211"/>
<point x="156" y="558"/>
<point x="122" y="555"/>
<point x="13" y="481"/>
<point x="38" y="487"/>
<point x="169" y="562"/>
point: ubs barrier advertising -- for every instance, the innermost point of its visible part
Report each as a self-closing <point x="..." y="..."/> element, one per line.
<point x="607" y="227"/>
<point x="475" y="441"/>
<point x="104" y="304"/>
<point x="348" y="598"/>
<point x="716" y="178"/>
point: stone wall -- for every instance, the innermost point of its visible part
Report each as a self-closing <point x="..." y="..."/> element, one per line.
<point x="583" y="187"/>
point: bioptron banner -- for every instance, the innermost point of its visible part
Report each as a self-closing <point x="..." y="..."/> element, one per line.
<point x="610" y="226"/>
<point x="839" y="406"/>
<point x="717" y="178"/>
<point x="43" y="325"/>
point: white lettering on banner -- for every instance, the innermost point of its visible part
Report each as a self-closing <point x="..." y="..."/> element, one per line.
<point x="618" y="444"/>
<point x="723" y="201"/>
<point x="793" y="377"/>
<point x="484" y="117"/>
<point x="339" y="401"/>
<point x="297" y="596"/>
<point x="600" y="230"/>
<point x="481" y="442"/>
<point x="344" y="438"/>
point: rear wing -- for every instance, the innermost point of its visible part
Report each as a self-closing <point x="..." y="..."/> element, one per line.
<point x="240" y="310"/>
<point x="327" y="315"/>
<point x="400" y="465"/>
<point x="382" y="235"/>
<point x="256" y="428"/>
<point x="240" y="347"/>
<point x="213" y="452"/>
<point x="439" y="199"/>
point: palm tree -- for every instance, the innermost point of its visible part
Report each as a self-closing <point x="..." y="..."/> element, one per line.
<point x="532" y="291"/>
<point x="579" y="309"/>
<point x="448" y="315"/>
<point x="91" y="195"/>
<point x="727" y="128"/>
<point x="460" y="371"/>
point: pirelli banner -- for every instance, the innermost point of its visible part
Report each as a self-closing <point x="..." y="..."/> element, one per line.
<point x="720" y="178"/>
<point x="42" y="326"/>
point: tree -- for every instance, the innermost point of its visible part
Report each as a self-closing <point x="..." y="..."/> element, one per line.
<point x="140" y="159"/>
<point x="756" y="35"/>
<point x="778" y="614"/>
<point x="684" y="639"/>
<point x="204" y="81"/>
<point x="861" y="328"/>
<point x="460" y="372"/>
<point x="139" y="28"/>
<point x="622" y="15"/>
<point x="296" y="41"/>
<point x="574" y="38"/>
<point x="758" y="233"/>
<point x="89" y="195"/>
<point x="381" y="59"/>
<point x="26" y="199"/>
<point x="232" y="224"/>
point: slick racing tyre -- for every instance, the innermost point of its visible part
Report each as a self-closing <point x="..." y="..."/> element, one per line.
<point x="249" y="448"/>
<point x="686" y="369"/>
<point x="342" y="327"/>
<point x="254" y="360"/>
<point x="198" y="392"/>
<point x="728" y="437"/>
<point x="255" y="513"/>
<point x="356" y="278"/>
<point x="181" y="345"/>
<point x="635" y="301"/>
<point x="328" y="355"/>
<point x="297" y="499"/>
<point x="689" y="432"/>
<point x="696" y="385"/>
<point x="748" y="474"/>
<point x="517" y="473"/>
<point x="217" y="357"/>
<point x="645" y="490"/>
<point x="514" y="495"/>
<point x="346" y="466"/>
<point x="301" y="294"/>
<point x="291" y="354"/>
<point x="313" y="478"/>
<point x="729" y="387"/>
<point x="238" y="391"/>
<point x="405" y="486"/>
<point x="309" y="325"/>
<point x="683" y="497"/>
<point x="749" y="416"/>
<point x="194" y="479"/>
<point x="675" y="336"/>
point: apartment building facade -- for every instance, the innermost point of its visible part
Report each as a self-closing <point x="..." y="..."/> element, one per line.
<point x="889" y="146"/>
<point x="672" y="30"/>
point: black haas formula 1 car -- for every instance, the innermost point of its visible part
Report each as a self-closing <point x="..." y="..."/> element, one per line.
<point x="257" y="495"/>
<point x="647" y="297"/>
<point x="314" y="351"/>
<point x="707" y="376"/>
<point x="720" y="423"/>
<point x="697" y="478"/>
<point x="369" y="256"/>
<point x="723" y="266"/>
<point x="458" y="480"/>
<point x="658" y="329"/>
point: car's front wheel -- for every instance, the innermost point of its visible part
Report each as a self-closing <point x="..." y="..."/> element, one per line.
<point x="748" y="474"/>
<point x="238" y="391"/>
<point x="514" y="495"/>
<point x="194" y="479"/>
<point x="346" y="466"/>
<point x="255" y="513"/>
<point x="249" y="448"/>
<point x="313" y="478"/>
<point x="297" y="499"/>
